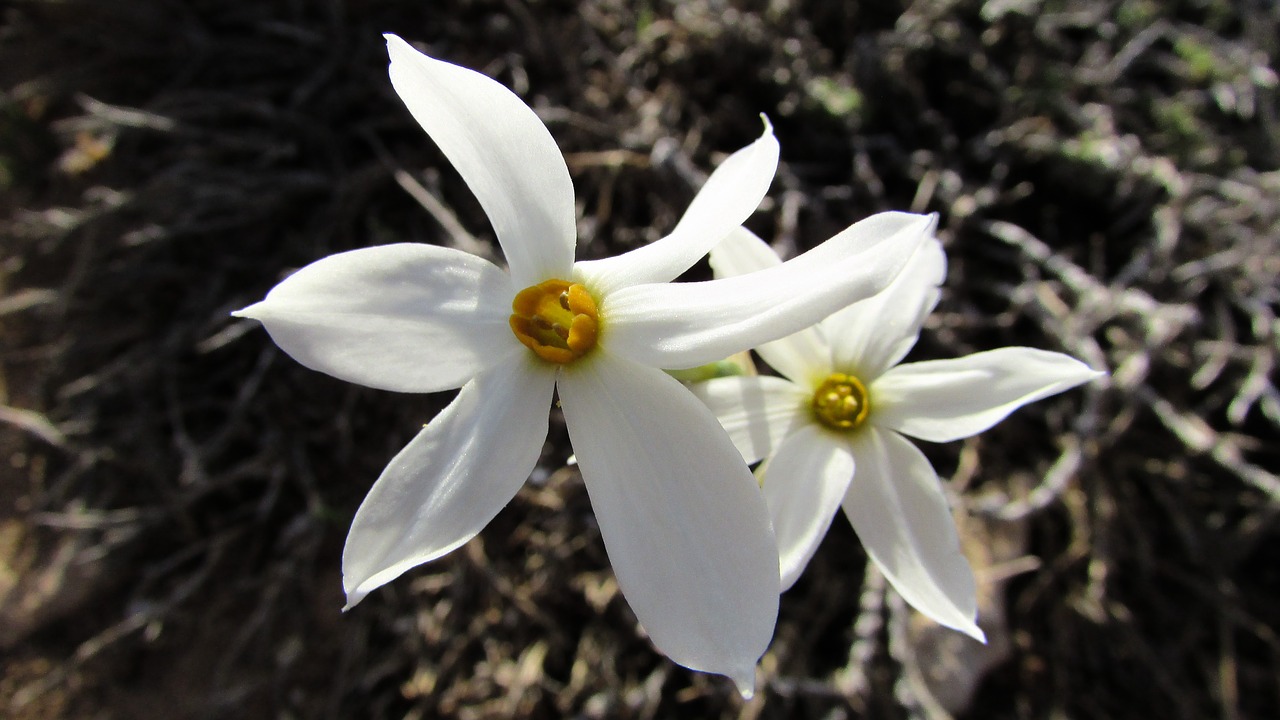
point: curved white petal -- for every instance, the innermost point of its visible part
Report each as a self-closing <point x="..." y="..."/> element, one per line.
<point x="407" y="317"/>
<point x="869" y="337"/>
<point x="503" y="152"/>
<point x="682" y="518"/>
<point x="804" y="484"/>
<point x="942" y="400"/>
<point x="804" y="356"/>
<point x="681" y="325"/>
<point x="730" y="195"/>
<point x="757" y="411"/>
<point x="449" y="482"/>
<point x="900" y="513"/>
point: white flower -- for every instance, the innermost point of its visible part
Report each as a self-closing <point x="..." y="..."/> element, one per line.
<point x="832" y="430"/>
<point x="682" y="517"/>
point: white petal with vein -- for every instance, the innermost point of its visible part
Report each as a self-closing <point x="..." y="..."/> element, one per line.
<point x="730" y="195"/>
<point x="804" y="484"/>
<point x="407" y="317"/>
<point x="682" y="518"/>
<point x="503" y="152"/>
<point x="683" y="325"/>
<point x="451" y="479"/>
<point x="756" y="410"/>
<point x="943" y="400"/>
<point x="869" y="337"/>
<point x="804" y="356"/>
<point x="900" y="513"/>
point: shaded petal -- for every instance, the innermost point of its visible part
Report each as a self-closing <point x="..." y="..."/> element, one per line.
<point x="730" y="195"/>
<point x="682" y="518"/>
<point x="741" y="252"/>
<point x="407" y="317"/>
<point x="804" y="484"/>
<point x="805" y="356"/>
<point x="757" y="411"/>
<point x="900" y="513"/>
<point x="451" y="479"/>
<point x="942" y="400"/>
<point x="869" y="337"/>
<point x="503" y="152"/>
<point x="681" y="325"/>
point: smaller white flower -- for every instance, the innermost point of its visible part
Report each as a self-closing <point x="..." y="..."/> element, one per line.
<point x="831" y="430"/>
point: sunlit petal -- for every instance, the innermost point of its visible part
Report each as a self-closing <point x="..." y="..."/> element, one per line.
<point x="682" y="518"/>
<point x="942" y="400"/>
<point x="804" y="356"/>
<point x="729" y="196"/>
<point x="687" y="324"/>
<point x="503" y="152"/>
<point x="450" y="481"/>
<point x="900" y="513"/>
<point x="756" y="410"/>
<point x="804" y="484"/>
<point x="869" y="337"/>
<point x="407" y="317"/>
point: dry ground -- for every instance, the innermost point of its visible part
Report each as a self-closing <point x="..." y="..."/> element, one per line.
<point x="174" y="491"/>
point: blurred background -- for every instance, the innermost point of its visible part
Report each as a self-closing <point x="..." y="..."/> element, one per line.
<point x="174" y="492"/>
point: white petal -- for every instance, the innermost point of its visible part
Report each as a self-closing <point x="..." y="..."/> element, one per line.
<point x="503" y="152"/>
<point x="805" y="356"/>
<point x="942" y="400"/>
<point x="407" y="317"/>
<point x="449" y="482"/>
<point x="729" y="196"/>
<point x="869" y="337"/>
<point x="682" y="325"/>
<point x="803" y="486"/>
<point x="742" y="252"/>
<point x="900" y="513"/>
<point x="682" y="518"/>
<point x="756" y="410"/>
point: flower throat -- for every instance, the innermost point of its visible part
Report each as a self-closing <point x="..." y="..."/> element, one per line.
<point x="556" y="319"/>
<point x="841" y="402"/>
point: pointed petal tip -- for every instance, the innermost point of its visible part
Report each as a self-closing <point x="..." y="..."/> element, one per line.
<point x="768" y="126"/>
<point x="745" y="680"/>
<point x="353" y="598"/>
<point x="933" y="223"/>
<point x="246" y="312"/>
<point x="1082" y="374"/>
<point x="972" y="630"/>
<point x="397" y="46"/>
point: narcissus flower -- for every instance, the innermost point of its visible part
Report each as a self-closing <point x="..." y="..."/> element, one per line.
<point x="682" y="518"/>
<point x="831" y="429"/>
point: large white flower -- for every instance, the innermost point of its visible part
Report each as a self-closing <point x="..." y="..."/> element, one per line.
<point x="682" y="518"/>
<point x="831" y="430"/>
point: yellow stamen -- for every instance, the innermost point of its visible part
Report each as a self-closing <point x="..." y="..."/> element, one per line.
<point x="556" y="319"/>
<point x="841" y="402"/>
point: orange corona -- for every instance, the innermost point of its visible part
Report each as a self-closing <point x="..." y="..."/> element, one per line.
<point x="556" y="319"/>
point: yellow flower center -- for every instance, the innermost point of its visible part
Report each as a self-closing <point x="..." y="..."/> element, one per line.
<point x="556" y="319"/>
<point x="841" y="402"/>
